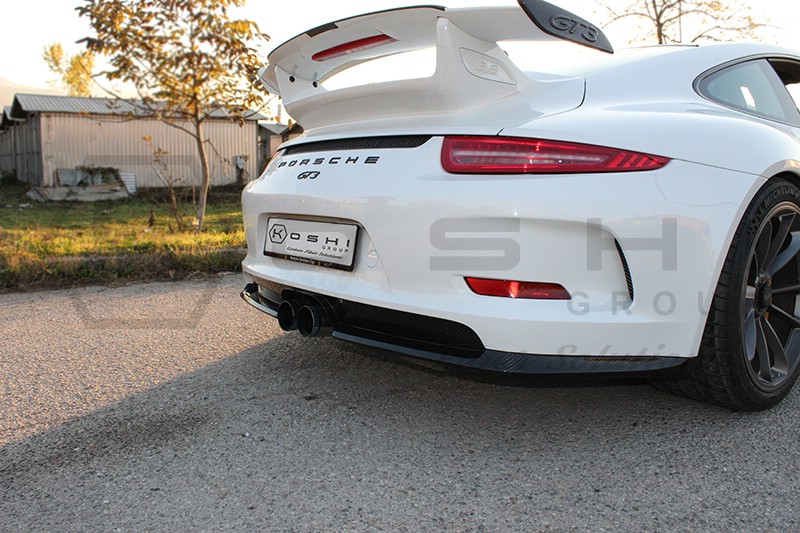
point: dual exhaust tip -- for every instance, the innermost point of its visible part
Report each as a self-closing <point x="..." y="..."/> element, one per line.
<point x="310" y="320"/>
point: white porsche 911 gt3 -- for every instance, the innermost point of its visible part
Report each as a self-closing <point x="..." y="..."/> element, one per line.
<point x="633" y="213"/>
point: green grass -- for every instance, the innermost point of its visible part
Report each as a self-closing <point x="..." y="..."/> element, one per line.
<point x="66" y="243"/>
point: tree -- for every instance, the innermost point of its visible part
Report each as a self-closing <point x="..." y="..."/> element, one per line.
<point x="187" y="60"/>
<point x="702" y="19"/>
<point x="75" y="71"/>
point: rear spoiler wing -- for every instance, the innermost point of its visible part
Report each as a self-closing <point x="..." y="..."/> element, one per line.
<point x="469" y="63"/>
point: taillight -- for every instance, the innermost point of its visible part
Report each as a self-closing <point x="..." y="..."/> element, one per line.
<point x="518" y="289"/>
<point x="510" y="155"/>
<point x="352" y="47"/>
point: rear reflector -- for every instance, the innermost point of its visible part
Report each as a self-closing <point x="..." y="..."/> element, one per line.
<point x="352" y="47"/>
<point x="518" y="289"/>
<point x="509" y="155"/>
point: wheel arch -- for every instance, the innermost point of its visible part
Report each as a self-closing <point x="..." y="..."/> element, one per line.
<point x="789" y="175"/>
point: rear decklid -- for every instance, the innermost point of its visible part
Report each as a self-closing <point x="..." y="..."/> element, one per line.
<point x="474" y="82"/>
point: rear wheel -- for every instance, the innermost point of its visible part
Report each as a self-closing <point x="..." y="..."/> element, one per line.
<point x="750" y="353"/>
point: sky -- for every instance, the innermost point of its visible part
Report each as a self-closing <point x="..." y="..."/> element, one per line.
<point x="29" y="25"/>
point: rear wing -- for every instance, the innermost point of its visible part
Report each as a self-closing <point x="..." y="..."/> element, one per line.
<point x="471" y="70"/>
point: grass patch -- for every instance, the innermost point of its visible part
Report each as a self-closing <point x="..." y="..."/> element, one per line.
<point x="67" y="243"/>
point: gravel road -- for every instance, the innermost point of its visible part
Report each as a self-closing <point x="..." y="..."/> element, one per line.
<point x="177" y="407"/>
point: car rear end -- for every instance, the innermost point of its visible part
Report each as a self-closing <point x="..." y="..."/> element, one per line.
<point x="405" y="219"/>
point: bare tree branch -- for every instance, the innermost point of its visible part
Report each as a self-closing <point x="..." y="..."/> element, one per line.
<point x="706" y="19"/>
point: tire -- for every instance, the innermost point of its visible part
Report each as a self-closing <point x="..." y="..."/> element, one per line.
<point x="749" y="355"/>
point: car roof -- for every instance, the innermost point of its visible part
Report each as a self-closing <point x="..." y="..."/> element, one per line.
<point x="684" y="59"/>
<point x="662" y="73"/>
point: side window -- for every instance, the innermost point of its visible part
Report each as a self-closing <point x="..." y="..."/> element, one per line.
<point x="794" y="92"/>
<point x="789" y="73"/>
<point x="754" y="87"/>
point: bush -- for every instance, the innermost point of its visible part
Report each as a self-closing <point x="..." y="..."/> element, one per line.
<point x="106" y="174"/>
<point x="8" y="177"/>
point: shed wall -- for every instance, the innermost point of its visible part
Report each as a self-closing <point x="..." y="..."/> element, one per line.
<point x="70" y="140"/>
<point x="7" y="150"/>
<point x="21" y="150"/>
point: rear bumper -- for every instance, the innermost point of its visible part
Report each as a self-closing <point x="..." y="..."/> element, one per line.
<point x="445" y="341"/>
<point x="639" y="252"/>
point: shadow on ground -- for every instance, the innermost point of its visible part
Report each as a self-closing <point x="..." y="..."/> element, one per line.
<point x="321" y="435"/>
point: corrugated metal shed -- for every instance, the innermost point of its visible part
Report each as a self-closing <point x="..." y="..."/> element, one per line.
<point x="45" y="103"/>
<point x="51" y="134"/>
<point x="129" y="145"/>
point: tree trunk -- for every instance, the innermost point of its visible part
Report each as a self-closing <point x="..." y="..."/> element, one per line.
<point x="201" y="151"/>
<point x="660" y="32"/>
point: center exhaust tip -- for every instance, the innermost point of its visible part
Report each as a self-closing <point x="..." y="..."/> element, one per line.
<point x="311" y="321"/>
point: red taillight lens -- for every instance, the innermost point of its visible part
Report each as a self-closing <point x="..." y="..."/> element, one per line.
<point x="352" y="47"/>
<point x="507" y="155"/>
<point x="518" y="289"/>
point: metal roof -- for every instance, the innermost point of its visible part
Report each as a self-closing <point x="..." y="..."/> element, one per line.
<point x="274" y="128"/>
<point x="45" y="103"/>
<point x="7" y="120"/>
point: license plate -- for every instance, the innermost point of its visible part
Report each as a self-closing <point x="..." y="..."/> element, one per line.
<point x="317" y="243"/>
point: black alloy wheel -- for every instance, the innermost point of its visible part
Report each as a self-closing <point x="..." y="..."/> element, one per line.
<point x="771" y="328"/>
<point x="749" y="356"/>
